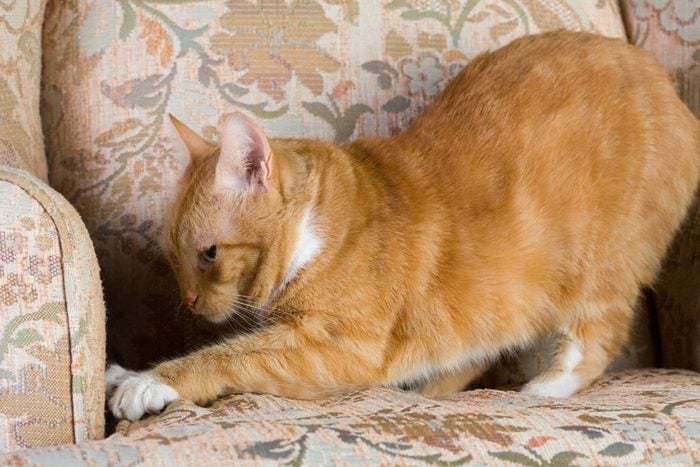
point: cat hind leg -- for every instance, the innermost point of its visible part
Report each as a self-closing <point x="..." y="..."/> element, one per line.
<point x="584" y="351"/>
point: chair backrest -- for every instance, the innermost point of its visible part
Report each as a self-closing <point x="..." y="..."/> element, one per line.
<point x="671" y="30"/>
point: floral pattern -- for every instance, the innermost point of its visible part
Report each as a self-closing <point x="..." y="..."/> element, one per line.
<point x="51" y="347"/>
<point x="31" y="311"/>
<point x="424" y="75"/>
<point x="52" y="337"/>
<point x="271" y="42"/>
<point x="113" y="70"/>
<point x="671" y="30"/>
<point x="21" y="139"/>
<point x="677" y="18"/>
<point x="631" y="418"/>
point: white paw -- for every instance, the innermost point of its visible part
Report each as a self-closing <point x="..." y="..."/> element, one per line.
<point x="563" y="385"/>
<point x="136" y="393"/>
<point x="114" y="376"/>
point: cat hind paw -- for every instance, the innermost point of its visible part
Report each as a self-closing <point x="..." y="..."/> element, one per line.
<point x="561" y="386"/>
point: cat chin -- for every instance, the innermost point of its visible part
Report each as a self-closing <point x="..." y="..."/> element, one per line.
<point x="216" y="318"/>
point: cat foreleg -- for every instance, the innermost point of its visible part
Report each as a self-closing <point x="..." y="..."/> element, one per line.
<point x="277" y="361"/>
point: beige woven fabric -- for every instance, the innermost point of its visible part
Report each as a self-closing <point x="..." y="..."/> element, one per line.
<point x="52" y="315"/>
<point x="21" y="138"/>
<point x="671" y="30"/>
<point x="634" y="417"/>
<point x="334" y="70"/>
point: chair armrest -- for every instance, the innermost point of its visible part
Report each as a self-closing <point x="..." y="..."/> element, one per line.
<point x="52" y="319"/>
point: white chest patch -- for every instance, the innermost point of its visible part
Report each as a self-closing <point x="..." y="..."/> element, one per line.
<point x="307" y="247"/>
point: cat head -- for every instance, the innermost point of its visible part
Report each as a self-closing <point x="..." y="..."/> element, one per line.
<point x="228" y="233"/>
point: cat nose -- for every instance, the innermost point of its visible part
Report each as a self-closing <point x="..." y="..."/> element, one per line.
<point x="189" y="299"/>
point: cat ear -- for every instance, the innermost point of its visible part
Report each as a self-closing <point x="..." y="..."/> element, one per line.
<point x="187" y="145"/>
<point x="245" y="161"/>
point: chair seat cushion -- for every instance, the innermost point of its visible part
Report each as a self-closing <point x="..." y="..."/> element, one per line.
<point x="629" y="417"/>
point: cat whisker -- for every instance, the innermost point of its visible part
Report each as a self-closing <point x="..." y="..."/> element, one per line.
<point x="246" y="317"/>
<point x="266" y="309"/>
<point x="262" y="314"/>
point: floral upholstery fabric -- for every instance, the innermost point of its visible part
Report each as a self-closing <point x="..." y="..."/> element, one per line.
<point x="52" y="315"/>
<point x="21" y="139"/>
<point x="671" y="30"/>
<point x="113" y="70"/>
<point x="632" y="417"/>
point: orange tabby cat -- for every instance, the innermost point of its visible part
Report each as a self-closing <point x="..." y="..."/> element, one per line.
<point x="535" y="195"/>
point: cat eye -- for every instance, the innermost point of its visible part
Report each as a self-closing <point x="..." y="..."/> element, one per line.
<point x="209" y="254"/>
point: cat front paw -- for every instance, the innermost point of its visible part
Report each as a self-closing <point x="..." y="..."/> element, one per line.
<point x="114" y="376"/>
<point x="135" y="394"/>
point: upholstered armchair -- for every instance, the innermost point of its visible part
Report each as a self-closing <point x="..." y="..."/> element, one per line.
<point x="85" y="175"/>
